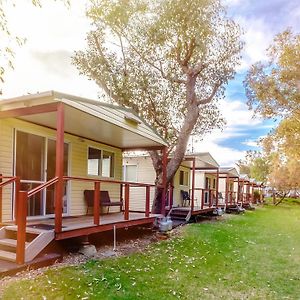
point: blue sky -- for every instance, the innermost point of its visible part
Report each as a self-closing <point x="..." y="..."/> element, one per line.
<point x="54" y="32"/>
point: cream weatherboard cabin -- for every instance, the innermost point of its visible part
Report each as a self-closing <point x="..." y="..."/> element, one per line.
<point x="53" y="148"/>
<point x="188" y="194"/>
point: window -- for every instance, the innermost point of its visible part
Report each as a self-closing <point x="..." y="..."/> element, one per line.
<point x="183" y="178"/>
<point x="100" y="163"/>
<point x="94" y="162"/>
<point x="130" y="173"/>
<point x="214" y="183"/>
<point x="108" y="164"/>
<point x="207" y="183"/>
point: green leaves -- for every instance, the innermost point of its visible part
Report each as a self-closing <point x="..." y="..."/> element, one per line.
<point x="160" y="57"/>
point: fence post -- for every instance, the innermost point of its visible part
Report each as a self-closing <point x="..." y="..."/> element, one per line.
<point x="126" y="213"/>
<point x="147" y="211"/>
<point x="22" y="199"/>
<point x="97" y="200"/>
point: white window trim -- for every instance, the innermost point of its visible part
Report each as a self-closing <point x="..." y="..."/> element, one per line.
<point x="124" y="172"/>
<point x="101" y="149"/>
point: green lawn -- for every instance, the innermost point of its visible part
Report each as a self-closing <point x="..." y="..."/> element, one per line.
<point x="251" y="256"/>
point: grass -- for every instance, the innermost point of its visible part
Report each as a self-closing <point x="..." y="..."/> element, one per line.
<point x="251" y="256"/>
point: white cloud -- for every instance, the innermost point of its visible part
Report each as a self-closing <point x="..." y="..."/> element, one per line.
<point x="53" y="32"/>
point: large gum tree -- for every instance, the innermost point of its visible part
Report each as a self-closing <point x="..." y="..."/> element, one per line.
<point x="169" y="60"/>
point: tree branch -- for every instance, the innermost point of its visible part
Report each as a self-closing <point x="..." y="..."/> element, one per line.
<point x="210" y="97"/>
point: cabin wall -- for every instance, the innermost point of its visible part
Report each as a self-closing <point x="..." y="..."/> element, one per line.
<point x="145" y="173"/>
<point x="78" y="153"/>
<point x="177" y="197"/>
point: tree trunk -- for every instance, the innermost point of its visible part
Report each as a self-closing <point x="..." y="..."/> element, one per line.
<point x="180" y="149"/>
<point x="281" y="199"/>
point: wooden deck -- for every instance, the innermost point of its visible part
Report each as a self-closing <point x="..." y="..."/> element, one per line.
<point x="83" y="225"/>
<point x="198" y="210"/>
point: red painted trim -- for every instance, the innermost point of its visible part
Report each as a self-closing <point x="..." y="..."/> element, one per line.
<point x="21" y="233"/>
<point x="164" y="180"/>
<point x="147" y="211"/>
<point x="0" y="199"/>
<point x="193" y="184"/>
<point x="101" y="228"/>
<point x="217" y="188"/>
<point x="97" y="203"/>
<point x="135" y="184"/>
<point x="59" y="167"/>
<point x="126" y="212"/>
<point x="25" y="111"/>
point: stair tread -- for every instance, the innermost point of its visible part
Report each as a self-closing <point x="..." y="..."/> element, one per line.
<point x="10" y="242"/>
<point x="6" y="255"/>
<point x="28" y="229"/>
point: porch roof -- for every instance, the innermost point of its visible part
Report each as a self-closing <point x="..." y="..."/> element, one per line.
<point x="91" y="119"/>
<point x="230" y="171"/>
<point x="203" y="160"/>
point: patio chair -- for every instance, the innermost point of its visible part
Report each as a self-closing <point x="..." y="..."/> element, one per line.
<point x="186" y="199"/>
<point x="104" y="200"/>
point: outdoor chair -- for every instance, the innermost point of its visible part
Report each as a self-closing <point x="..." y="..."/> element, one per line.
<point x="104" y="200"/>
<point x="186" y="199"/>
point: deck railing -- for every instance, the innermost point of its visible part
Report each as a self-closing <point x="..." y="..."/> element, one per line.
<point x="23" y="196"/>
<point x="231" y="197"/>
<point x="211" y="196"/>
<point x="4" y="181"/>
<point x="124" y="188"/>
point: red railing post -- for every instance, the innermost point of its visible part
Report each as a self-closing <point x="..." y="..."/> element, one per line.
<point x="17" y="190"/>
<point x="97" y="203"/>
<point x="217" y="188"/>
<point x="126" y="212"/>
<point x="193" y="185"/>
<point x="0" y="199"/>
<point x="210" y="197"/>
<point x="226" y="190"/>
<point x="147" y="210"/>
<point x="59" y="167"/>
<point x="22" y="199"/>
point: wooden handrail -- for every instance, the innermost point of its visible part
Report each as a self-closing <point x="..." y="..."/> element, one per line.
<point x="10" y="180"/>
<point x="133" y="184"/>
<point x="42" y="186"/>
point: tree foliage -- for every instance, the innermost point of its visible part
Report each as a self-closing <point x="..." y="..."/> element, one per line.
<point x="169" y="60"/>
<point x="273" y="91"/>
<point x="255" y="165"/>
<point x="273" y="88"/>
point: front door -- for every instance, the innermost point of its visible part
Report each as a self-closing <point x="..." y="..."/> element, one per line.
<point x="35" y="164"/>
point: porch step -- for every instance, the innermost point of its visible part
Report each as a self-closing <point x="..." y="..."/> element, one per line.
<point x="10" y="242"/>
<point x="28" y="229"/>
<point x="179" y="214"/>
<point x="6" y="255"/>
<point x="36" y="241"/>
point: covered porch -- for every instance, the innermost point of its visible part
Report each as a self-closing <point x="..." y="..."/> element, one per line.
<point x="82" y="122"/>
<point x="202" y="195"/>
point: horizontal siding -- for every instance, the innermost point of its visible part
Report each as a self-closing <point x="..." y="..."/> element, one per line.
<point x="6" y="167"/>
<point x="145" y="174"/>
<point x="177" y="197"/>
<point x="77" y="164"/>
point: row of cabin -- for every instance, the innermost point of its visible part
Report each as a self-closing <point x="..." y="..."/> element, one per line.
<point x="199" y="183"/>
<point x="62" y="172"/>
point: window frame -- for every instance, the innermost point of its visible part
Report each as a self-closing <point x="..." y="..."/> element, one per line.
<point x="125" y="172"/>
<point x="102" y="150"/>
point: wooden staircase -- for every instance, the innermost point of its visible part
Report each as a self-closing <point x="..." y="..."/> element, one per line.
<point x="179" y="215"/>
<point x="36" y="241"/>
